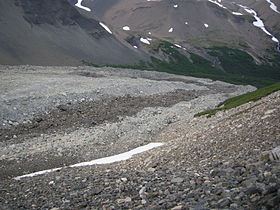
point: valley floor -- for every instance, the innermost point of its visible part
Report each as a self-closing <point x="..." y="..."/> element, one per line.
<point x="68" y="115"/>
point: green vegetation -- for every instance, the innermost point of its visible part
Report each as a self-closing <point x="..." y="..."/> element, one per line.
<point x="238" y="62"/>
<point x="238" y="66"/>
<point x="242" y="99"/>
<point x="140" y="65"/>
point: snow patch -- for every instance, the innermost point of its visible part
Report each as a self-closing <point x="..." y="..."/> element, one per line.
<point x="79" y="4"/>
<point x="273" y="6"/>
<point x="175" y="6"/>
<point x="237" y="13"/>
<point x="179" y="46"/>
<point x="135" y="46"/>
<point x="106" y="160"/>
<point x="120" y="157"/>
<point x="126" y="28"/>
<point x="206" y="25"/>
<point x="170" y="30"/>
<point x="217" y="3"/>
<point x="105" y="27"/>
<point x="37" y="173"/>
<point x="145" y="41"/>
<point x="259" y="23"/>
<point x="186" y="23"/>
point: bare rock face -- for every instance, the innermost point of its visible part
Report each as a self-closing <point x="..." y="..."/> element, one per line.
<point x="58" y="13"/>
<point x="56" y="33"/>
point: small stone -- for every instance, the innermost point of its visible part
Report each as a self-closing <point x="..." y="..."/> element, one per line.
<point x="177" y="180"/>
<point x="63" y="108"/>
<point x="142" y="192"/>
<point x="224" y="202"/>
<point x="253" y="190"/>
<point x="234" y="206"/>
<point x="274" y="155"/>
<point x="161" y="202"/>
<point x="55" y="208"/>
<point x="119" y="201"/>
<point x="126" y="200"/>
<point x="95" y="191"/>
<point x="143" y="201"/>
<point x="207" y="182"/>
<point x="267" y="174"/>
<point x="124" y="179"/>
<point x="151" y="169"/>
<point x="51" y="182"/>
<point x="177" y="207"/>
<point x="273" y="202"/>
<point x="264" y="156"/>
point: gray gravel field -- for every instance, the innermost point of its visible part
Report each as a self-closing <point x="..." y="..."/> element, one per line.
<point x="228" y="161"/>
<point x="36" y="137"/>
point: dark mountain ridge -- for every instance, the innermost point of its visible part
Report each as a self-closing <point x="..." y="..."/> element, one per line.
<point x="53" y="32"/>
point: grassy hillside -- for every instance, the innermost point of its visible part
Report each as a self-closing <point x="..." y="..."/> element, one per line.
<point x="242" y="99"/>
<point x="239" y="67"/>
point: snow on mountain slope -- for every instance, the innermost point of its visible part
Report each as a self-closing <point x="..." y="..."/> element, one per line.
<point x="224" y="20"/>
<point x="65" y="32"/>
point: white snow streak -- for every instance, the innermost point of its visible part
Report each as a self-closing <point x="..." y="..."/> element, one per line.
<point x="237" y="13"/>
<point x="273" y="6"/>
<point x="145" y="41"/>
<point x="79" y="4"/>
<point x="120" y="157"/>
<point x="206" y="25"/>
<point x="37" y="173"/>
<point x="179" y="46"/>
<point x="126" y="28"/>
<point x="170" y="30"/>
<point x="220" y="5"/>
<point x="105" y="27"/>
<point x="106" y="160"/>
<point x="175" y="6"/>
<point x="259" y="23"/>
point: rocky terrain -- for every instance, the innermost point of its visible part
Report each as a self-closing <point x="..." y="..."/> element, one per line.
<point x="54" y="32"/>
<point x="68" y="115"/>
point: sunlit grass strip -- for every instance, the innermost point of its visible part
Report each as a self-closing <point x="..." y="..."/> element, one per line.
<point x="242" y="99"/>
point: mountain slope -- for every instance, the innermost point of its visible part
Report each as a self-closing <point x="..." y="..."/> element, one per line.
<point x="67" y="32"/>
<point x="54" y="32"/>
<point x="195" y="23"/>
<point x="231" y="41"/>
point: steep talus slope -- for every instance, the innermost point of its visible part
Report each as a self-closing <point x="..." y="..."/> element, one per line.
<point x="219" y="162"/>
<point x="68" y="115"/>
<point x="54" y="32"/>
